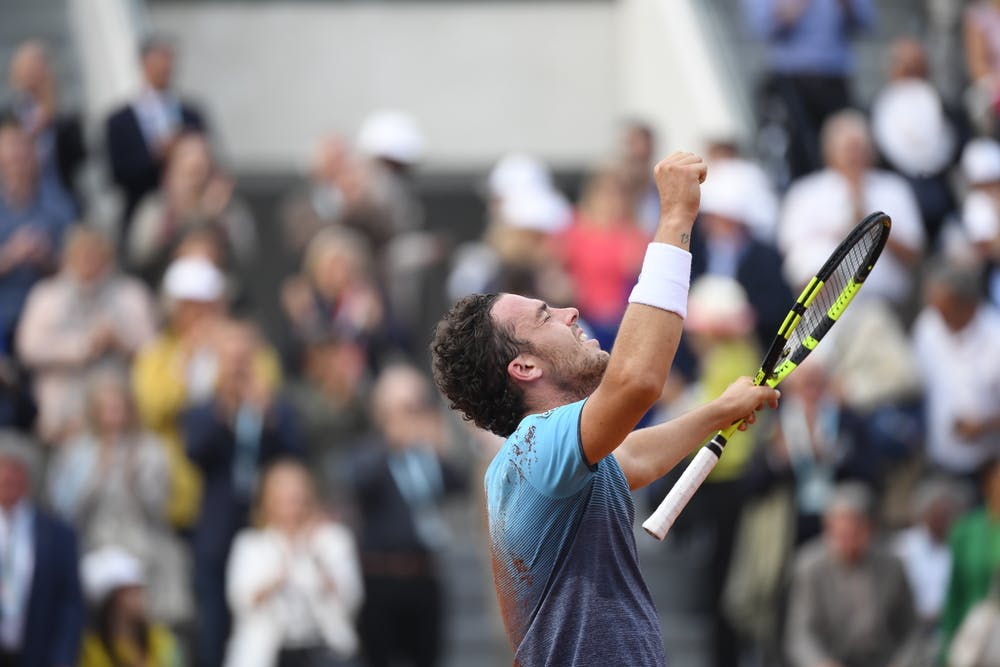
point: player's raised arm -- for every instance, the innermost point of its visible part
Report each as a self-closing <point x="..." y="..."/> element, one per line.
<point x="651" y="328"/>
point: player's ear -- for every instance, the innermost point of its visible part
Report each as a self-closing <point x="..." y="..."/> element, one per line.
<point x="524" y="368"/>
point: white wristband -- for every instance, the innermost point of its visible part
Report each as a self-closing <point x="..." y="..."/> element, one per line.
<point x="665" y="278"/>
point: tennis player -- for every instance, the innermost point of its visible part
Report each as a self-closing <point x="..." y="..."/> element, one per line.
<point x="560" y="512"/>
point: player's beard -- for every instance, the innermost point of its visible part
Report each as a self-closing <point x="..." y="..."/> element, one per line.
<point x="579" y="375"/>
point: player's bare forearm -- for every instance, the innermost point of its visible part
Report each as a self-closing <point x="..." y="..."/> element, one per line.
<point x="649" y="453"/>
<point x="648" y="336"/>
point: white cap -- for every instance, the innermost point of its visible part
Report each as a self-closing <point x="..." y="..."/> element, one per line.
<point x="518" y="171"/>
<point x="738" y="189"/>
<point x="981" y="161"/>
<point x="910" y="128"/>
<point x="393" y="135"/>
<point x="536" y="208"/>
<point x="719" y="305"/>
<point x="108" y="569"/>
<point x="193" y="279"/>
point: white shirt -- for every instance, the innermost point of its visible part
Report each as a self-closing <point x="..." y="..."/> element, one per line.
<point x="818" y="213"/>
<point x="159" y="115"/>
<point x="928" y="568"/>
<point x="17" y="565"/>
<point x="961" y="377"/>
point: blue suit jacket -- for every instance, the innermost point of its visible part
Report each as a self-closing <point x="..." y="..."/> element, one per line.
<point x="55" y="605"/>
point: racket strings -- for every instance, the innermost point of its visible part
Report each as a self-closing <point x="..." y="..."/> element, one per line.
<point x="815" y="320"/>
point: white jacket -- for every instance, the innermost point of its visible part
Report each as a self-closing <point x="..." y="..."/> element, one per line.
<point x="306" y="608"/>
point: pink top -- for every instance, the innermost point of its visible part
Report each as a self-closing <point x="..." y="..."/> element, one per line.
<point x="986" y="17"/>
<point x="603" y="263"/>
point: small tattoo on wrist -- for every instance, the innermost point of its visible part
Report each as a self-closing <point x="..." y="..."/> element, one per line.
<point x="685" y="238"/>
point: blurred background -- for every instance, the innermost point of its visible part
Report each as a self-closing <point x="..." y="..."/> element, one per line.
<point x="227" y="230"/>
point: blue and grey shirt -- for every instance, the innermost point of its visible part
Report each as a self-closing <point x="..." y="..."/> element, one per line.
<point x="564" y="554"/>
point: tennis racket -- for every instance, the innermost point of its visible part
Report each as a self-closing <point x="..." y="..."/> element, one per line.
<point x="820" y="305"/>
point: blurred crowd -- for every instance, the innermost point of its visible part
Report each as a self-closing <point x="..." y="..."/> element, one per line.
<point x="177" y="489"/>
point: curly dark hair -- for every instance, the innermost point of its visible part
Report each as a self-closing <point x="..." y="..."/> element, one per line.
<point x="470" y="353"/>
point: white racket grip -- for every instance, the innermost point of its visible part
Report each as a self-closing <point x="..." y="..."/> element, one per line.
<point x="660" y="521"/>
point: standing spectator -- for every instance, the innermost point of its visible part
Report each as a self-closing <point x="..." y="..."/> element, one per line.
<point x="178" y="368"/>
<point x="86" y="316"/>
<point x="957" y="351"/>
<point x="602" y="252"/>
<point x="724" y="245"/>
<point x="121" y="633"/>
<point x="58" y="135"/>
<point x="850" y="604"/>
<point x="820" y="209"/>
<point x="975" y="552"/>
<point x="294" y="581"/>
<point x="638" y="149"/>
<point x="42" y="603"/>
<point x="400" y="483"/>
<point x="914" y="134"/>
<point x="981" y="208"/>
<point x="195" y="194"/>
<point x="34" y="215"/>
<point x="981" y="40"/>
<point x="230" y="436"/>
<point x="810" y="66"/>
<point x="112" y="482"/>
<point x="141" y="134"/>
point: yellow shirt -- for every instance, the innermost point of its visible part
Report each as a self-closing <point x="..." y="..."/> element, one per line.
<point x="163" y="651"/>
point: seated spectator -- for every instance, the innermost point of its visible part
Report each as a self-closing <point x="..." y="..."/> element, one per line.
<point x="231" y="435"/>
<point x="330" y="396"/>
<point x="42" y="604"/>
<point x="194" y="194"/>
<point x="178" y="368"/>
<point x="141" y="134"/>
<point x="912" y="131"/>
<point x="957" y="351"/>
<point x="760" y="210"/>
<point x="975" y="552"/>
<point x="981" y="207"/>
<point x="724" y="244"/>
<point x="121" y="632"/>
<point x="112" y="482"/>
<point x="820" y="209"/>
<point x="294" y="581"/>
<point x="637" y="147"/>
<point x="58" y="135"/>
<point x="87" y="316"/>
<point x="34" y="216"/>
<point x="401" y="480"/>
<point x="850" y="603"/>
<point x="602" y="253"/>
<point x="335" y="292"/>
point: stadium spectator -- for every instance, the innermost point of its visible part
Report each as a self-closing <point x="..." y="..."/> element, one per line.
<point x="821" y="208"/>
<point x="58" y="134"/>
<point x="761" y="204"/>
<point x="121" y="630"/>
<point x="43" y="611"/>
<point x="294" y="581"/>
<point x="975" y="552"/>
<point x="178" y="368"/>
<point x="141" y="134"/>
<point x="957" y="352"/>
<point x="850" y="603"/>
<point x="330" y="396"/>
<point x="981" y="43"/>
<point x="231" y="435"/>
<point x="913" y="132"/>
<point x="724" y="244"/>
<point x="602" y="252"/>
<point x="112" y="482"/>
<point x="638" y="150"/>
<point x="336" y="292"/>
<point x="85" y="317"/>
<point x="34" y="215"/>
<point x="195" y="194"/>
<point x="981" y="207"/>
<point x="809" y="65"/>
<point x="400" y="481"/>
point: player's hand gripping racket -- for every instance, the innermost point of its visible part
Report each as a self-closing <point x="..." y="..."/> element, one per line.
<point x="816" y="310"/>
